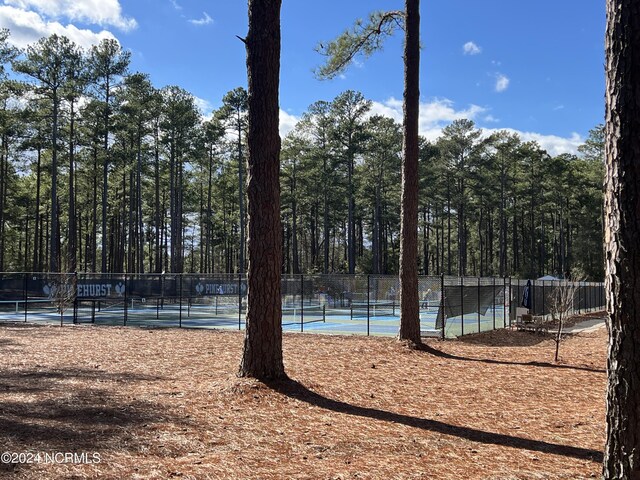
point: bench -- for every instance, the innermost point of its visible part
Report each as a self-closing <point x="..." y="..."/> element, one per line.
<point x="531" y="323"/>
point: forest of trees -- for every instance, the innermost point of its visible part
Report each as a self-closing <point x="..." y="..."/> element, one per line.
<point x="100" y="171"/>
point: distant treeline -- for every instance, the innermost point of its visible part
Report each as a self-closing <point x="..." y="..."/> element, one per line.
<point x="102" y="172"/>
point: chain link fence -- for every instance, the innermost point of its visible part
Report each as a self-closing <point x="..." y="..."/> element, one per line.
<point x="333" y="304"/>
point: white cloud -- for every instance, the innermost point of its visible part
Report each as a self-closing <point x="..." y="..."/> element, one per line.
<point x="205" y="20"/>
<point x="205" y="107"/>
<point x="502" y="82"/>
<point x="287" y="122"/>
<point x="553" y="144"/>
<point x="176" y="5"/>
<point x="28" y="27"/>
<point x="491" y="119"/>
<point x="471" y="48"/>
<point x="439" y="113"/>
<point x="95" y="12"/>
<point x="434" y="116"/>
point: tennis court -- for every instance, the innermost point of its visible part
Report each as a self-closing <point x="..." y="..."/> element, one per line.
<point x="381" y="318"/>
<point x="330" y="304"/>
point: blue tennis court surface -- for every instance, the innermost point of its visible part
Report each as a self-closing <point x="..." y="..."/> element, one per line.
<point x="381" y="321"/>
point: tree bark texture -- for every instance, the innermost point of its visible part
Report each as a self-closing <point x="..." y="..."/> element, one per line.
<point x="262" y="356"/>
<point x="409" y="302"/>
<point x="622" y="238"/>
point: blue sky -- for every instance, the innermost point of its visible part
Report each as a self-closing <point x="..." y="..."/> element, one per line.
<point x="533" y="67"/>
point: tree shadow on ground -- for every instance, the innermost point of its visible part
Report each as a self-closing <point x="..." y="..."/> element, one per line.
<point x="41" y="379"/>
<point x="72" y="410"/>
<point x="505" y="338"/>
<point x="439" y="353"/>
<point x="293" y="389"/>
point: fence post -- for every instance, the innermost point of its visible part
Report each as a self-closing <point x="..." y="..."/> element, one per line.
<point x="462" y="306"/>
<point x="518" y="298"/>
<point x="26" y="296"/>
<point x="301" y="303"/>
<point x="442" y="304"/>
<point x="239" y="301"/>
<point x="580" y="297"/>
<point x="180" y="301"/>
<point x="368" y="302"/>
<point x="126" y="300"/>
<point x="75" y="297"/>
<point x="507" y="302"/>
<point x="543" y="299"/>
<point x="479" y="323"/>
<point x="533" y="297"/>
<point x="493" y="281"/>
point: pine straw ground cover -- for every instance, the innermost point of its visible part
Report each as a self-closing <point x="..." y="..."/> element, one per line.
<point x="167" y="404"/>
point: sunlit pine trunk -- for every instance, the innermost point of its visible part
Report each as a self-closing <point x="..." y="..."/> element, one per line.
<point x="409" y="306"/>
<point x="622" y="239"/>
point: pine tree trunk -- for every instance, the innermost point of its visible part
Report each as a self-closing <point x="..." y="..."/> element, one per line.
<point x="139" y="226"/>
<point x="105" y="175"/>
<point x="622" y="452"/>
<point x="209" y="242"/>
<point x="36" y="233"/>
<point x="159" y="218"/>
<point x="241" y="213"/>
<point x="262" y="356"/>
<point x="72" y="229"/>
<point x="94" y="210"/>
<point x="54" y="265"/>
<point x="409" y="302"/>
<point x="325" y="217"/>
<point x="351" y="229"/>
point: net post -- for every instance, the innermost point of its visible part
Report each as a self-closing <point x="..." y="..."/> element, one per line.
<point x="324" y="313"/>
